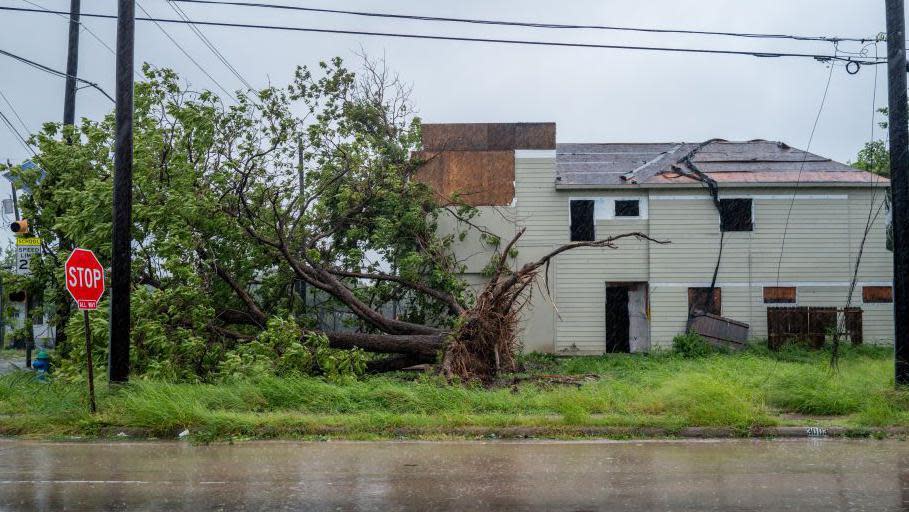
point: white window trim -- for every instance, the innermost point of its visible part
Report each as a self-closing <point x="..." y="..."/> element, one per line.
<point x="604" y="208"/>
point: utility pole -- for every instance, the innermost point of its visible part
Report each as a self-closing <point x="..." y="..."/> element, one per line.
<point x="899" y="183"/>
<point x="72" y="64"/>
<point x="121" y="250"/>
<point x="30" y="329"/>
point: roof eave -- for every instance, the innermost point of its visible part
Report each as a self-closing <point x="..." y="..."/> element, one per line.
<point x="743" y="184"/>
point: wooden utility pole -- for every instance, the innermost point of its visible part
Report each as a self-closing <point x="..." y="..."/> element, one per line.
<point x="72" y="64"/>
<point x="121" y="250"/>
<point x="30" y="330"/>
<point x="899" y="183"/>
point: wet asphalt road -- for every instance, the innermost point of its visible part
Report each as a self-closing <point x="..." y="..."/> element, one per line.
<point x="740" y="475"/>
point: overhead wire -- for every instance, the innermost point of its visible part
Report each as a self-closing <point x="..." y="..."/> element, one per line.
<point x="524" y="23"/>
<point x="55" y="72"/>
<point x="15" y="112"/>
<point x="869" y="222"/>
<point x="798" y="180"/>
<point x="187" y="54"/>
<point x="207" y="42"/>
<point x="12" y="128"/>
<point x="83" y="25"/>
<point x="815" y="56"/>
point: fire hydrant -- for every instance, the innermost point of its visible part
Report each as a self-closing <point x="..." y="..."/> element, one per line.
<point x="41" y="365"/>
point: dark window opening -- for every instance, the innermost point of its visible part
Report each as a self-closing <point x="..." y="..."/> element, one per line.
<point x="582" y="220"/>
<point x="779" y="295"/>
<point x="735" y="215"/>
<point x="628" y="208"/>
<point x="618" y="326"/>
<point x="877" y="294"/>
<point x="699" y="301"/>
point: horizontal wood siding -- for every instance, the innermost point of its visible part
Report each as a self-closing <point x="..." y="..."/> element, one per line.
<point x="825" y="228"/>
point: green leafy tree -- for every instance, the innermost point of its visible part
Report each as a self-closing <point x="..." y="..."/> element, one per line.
<point x="332" y="150"/>
<point x="237" y="206"/>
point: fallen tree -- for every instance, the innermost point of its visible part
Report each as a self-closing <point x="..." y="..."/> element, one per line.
<point x="255" y="220"/>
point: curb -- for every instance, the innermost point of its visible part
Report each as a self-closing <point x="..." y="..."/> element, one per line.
<point x="548" y="432"/>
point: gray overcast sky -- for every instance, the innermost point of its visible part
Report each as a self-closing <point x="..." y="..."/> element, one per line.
<point x="593" y="95"/>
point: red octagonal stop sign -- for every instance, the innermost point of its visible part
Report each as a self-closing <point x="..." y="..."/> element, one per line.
<point x="84" y="278"/>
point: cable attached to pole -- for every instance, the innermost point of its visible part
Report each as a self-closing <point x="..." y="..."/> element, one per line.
<point x="523" y="42"/>
<point x="55" y="72"/>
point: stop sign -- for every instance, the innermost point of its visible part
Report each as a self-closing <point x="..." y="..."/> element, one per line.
<point x="84" y="278"/>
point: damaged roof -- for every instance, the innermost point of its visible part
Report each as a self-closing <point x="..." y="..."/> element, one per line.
<point x="751" y="162"/>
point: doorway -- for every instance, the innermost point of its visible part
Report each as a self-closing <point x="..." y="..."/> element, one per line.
<point x="617" y="319"/>
<point x="627" y="317"/>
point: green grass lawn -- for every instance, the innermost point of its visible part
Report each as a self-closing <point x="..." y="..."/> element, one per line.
<point x="749" y="389"/>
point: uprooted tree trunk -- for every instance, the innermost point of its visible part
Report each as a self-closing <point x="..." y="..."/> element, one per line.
<point x="486" y="342"/>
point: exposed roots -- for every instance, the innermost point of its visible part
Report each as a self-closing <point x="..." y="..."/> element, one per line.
<point x="486" y="341"/>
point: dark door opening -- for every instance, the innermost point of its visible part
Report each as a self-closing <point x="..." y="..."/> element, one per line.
<point x="617" y="319"/>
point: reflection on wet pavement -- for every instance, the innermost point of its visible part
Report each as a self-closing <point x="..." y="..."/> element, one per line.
<point x="658" y="475"/>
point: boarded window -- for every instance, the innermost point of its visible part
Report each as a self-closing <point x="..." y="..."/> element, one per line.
<point x="735" y="215"/>
<point x="628" y="208"/>
<point x="700" y="302"/>
<point x="582" y="220"/>
<point x="779" y="295"/>
<point x="872" y="294"/>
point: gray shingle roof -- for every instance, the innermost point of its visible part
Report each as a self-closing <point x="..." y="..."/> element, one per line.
<point x="758" y="161"/>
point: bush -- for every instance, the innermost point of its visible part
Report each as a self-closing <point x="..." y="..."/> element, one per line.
<point x="282" y="350"/>
<point x="691" y="345"/>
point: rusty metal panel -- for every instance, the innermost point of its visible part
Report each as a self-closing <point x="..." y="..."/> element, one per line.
<point x="786" y="324"/>
<point x="821" y="322"/>
<point x="853" y="321"/>
<point x="720" y="331"/>
<point x="455" y="137"/>
<point x="877" y="294"/>
<point x="699" y="297"/>
<point x="479" y="178"/>
<point x="535" y="136"/>
<point x="779" y="294"/>
<point x="488" y="136"/>
<point x="810" y="325"/>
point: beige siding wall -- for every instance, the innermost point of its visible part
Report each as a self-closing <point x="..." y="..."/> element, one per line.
<point x="577" y="278"/>
<point x="822" y="237"/>
<point x="825" y="227"/>
<point x="876" y="266"/>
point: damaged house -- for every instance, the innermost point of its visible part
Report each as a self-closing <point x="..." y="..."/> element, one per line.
<point x="764" y="237"/>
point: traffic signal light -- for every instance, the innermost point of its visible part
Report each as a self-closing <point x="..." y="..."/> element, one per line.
<point x="18" y="296"/>
<point x="19" y="227"/>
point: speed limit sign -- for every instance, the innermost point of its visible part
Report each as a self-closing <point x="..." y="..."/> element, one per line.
<point x="26" y="247"/>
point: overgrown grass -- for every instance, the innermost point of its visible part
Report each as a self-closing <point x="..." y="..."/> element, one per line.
<point x="753" y="388"/>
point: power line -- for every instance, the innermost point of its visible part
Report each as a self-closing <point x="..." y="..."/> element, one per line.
<point x="798" y="179"/>
<point x="528" y="24"/>
<point x="83" y="25"/>
<point x="12" y="128"/>
<point x="176" y="8"/>
<point x="188" y="56"/>
<point x="15" y="112"/>
<point x="819" y="57"/>
<point x="55" y="72"/>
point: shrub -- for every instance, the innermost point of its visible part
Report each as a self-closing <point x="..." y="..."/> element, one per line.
<point x="282" y="350"/>
<point x="691" y="345"/>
